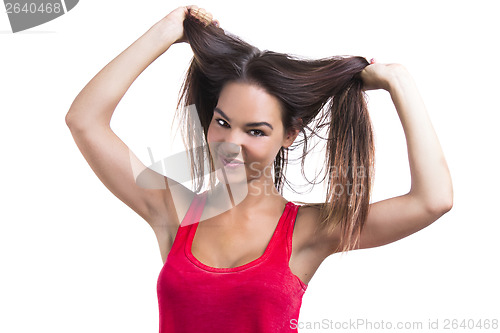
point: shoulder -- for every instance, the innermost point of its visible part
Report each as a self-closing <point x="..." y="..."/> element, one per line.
<point x="171" y="206"/>
<point x="311" y="234"/>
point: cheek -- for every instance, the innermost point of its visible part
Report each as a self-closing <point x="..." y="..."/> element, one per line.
<point x="262" y="151"/>
<point x="261" y="157"/>
<point x="211" y="138"/>
<point x="212" y="133"/>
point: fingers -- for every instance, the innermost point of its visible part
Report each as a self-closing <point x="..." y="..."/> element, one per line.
<point x="202" y="15"/>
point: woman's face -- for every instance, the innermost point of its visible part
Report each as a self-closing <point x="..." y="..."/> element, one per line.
<point x="245" y="133"/>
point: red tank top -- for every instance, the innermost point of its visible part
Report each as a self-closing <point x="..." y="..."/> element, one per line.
<point x="261" y="296"/>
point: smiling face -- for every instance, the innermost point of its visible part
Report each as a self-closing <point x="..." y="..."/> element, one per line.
<point x="245" y="133"/>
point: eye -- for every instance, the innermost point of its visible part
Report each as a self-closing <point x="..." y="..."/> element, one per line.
<point x="222" y="122"/>
<point x="256" y="132"/>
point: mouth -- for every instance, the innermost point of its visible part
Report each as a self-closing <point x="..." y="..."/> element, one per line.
<point x="231" y="163"/>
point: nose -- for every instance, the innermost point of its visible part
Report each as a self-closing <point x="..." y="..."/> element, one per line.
<point x="229" y="149"/>
<point x="231" y="140"/>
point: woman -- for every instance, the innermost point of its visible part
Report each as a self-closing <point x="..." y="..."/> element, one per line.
<point x="247" y="266"/>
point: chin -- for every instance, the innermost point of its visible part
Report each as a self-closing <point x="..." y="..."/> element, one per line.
<point x="230" y="176"/>
<point x="235" y="182"/>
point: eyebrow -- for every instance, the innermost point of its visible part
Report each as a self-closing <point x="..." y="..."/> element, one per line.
<point x="261" y="123"/>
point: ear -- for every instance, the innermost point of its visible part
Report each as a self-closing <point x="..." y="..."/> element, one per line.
<point x="290" y="137"/>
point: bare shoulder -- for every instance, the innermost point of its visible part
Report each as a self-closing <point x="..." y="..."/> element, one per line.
<point x="169" y="209"/>
<point x="311" y="243"/>
<point x="310" y="235"/>
<point x="170" y="206"/>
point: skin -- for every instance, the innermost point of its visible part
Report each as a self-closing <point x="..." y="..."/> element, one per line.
<point x="229" y="134"/>
<point x="220" y="242"/>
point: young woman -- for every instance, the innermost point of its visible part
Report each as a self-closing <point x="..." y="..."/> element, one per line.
<point x="247" y="266"/>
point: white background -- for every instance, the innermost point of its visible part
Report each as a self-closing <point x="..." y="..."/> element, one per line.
<point x="74" y="258"/>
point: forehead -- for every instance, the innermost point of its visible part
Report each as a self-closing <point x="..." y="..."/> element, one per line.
<point x="248" y="103"/>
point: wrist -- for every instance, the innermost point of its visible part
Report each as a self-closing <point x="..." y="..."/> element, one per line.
<point x="166" y="32"/>
<point x="399" y="78"/>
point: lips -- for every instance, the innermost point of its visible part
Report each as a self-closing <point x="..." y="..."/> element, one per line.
<point x="231" y="163"/>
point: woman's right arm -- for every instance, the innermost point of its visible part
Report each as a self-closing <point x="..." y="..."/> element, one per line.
<point x="89" y="122"/>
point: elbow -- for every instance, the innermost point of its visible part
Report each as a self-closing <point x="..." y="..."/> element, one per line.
<point x="441" y="206"/>
<point x="76" y="122"/>
<point x="437" y="203"/>
<point x="71" y="118"/>
<point x="68" y="119"/>
<point x="78" y="119"/>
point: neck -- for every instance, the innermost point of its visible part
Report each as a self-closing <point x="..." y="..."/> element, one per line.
<point x="243" y="196"/>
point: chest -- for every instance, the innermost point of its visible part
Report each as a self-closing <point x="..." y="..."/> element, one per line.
<point x="219" y="247"/>
<point x="223" y="247"/>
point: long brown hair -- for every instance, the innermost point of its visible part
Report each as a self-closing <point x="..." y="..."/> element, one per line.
<point x="316" y="96"/>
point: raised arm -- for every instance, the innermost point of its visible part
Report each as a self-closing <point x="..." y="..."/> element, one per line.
<point x="96" y="103"/>
<point x="90" y="115"/>
<point x="431" y="193"/>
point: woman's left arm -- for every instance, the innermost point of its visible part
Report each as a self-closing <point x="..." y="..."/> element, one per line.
<point x="431" y="193"/>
